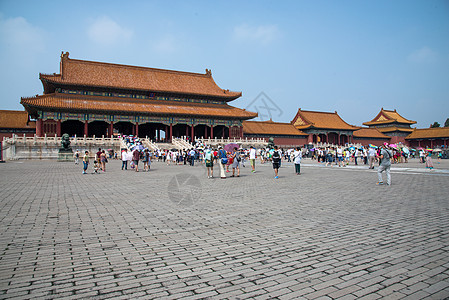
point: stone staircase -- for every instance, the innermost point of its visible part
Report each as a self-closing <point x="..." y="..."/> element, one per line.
<point x="150" y="145"/>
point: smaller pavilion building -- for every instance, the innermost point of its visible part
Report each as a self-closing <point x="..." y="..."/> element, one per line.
<point x="284" y="134"/>
<point x="16" y="122"/>
<point x="391" y="123"/>
<point x="429" y="137"/>
<point x="324" y="127"/>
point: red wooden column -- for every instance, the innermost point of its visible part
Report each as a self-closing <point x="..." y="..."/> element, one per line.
<point x="86" y="128"/>
<point x="211" y="131"/>
<point x="192" y="130"/>
<point x="58" y="127"/>
<point x="205" y="132"/>
<point x="171" y="132"/>
<point x="187" y="130"/>
<point x="39" y="127"/>
<point x="137" y="129"/>
<point x="241" y="132"/>
<point x="111" y="129"/>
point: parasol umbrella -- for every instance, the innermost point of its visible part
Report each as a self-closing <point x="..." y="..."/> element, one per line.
<point x="437" y="150"/>
<point x="138" y="147"/>
<point x="428" y="149"/>
<point x="373" y="146"/>
<point x="394" y="146"/>
<point x="406" y="151"/>
<point x="230" y="147"/>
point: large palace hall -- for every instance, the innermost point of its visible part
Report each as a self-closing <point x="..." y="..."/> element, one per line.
<point x="94" y="98"/>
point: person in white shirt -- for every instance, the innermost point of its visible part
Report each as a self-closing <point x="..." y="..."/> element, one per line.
<point x="340" y="155"/>
<point x="252" y="158"/>
<point x="125" y="159"/>
<point x="297" y="156"/>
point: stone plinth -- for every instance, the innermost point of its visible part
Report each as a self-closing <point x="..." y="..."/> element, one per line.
<point x="65" y="155"/>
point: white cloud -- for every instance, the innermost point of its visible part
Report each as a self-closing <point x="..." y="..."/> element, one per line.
<point x="263" y="34"/>
<point x="423" y="55"/>
<point x="107" y="32"/>
<point x="19" y="35"/>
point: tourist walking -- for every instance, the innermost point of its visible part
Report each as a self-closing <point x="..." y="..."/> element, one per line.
<point x="125" y="159"/>
<point x="136" y="157"/>
<point x="356" y="156"/>
<point x="252" y="158"/>
<point x="340" y="156"/>
<point x="235" y="162"/>
<point x="385" y="165"/>
<point x="85" y="162"/>
<point x="103" y="160"/>
<point x="146" y="160"/>
<point x="422" y="156"/>
<point x="297" y="156"/>
<point x="371" y="157"/>
<point x="77" y="157"/>
<point x="223" y="160"/>
<point x="276" y="160"/>
<point x="192" y="157"/>
<point x="429" y="164"/>
<point x="209" y="158"/>
<point x="97" y="156"/>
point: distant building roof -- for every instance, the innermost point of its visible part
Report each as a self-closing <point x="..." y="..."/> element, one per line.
<point x="14" y="119"/>
<point x="429" y="133"/>
<point x="271" y="128"/>
<point x="70" y="102"/>
<point x="316" y="119"/>
<point x="394" y="128"/>
<point x="107" y="75"/>
<point x="387" y="117"/>
<point x="369" y="133"/>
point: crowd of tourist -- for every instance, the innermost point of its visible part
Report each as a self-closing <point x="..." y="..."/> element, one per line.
<point x="230" y="158"/>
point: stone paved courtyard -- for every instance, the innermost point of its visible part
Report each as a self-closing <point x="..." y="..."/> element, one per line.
<point x="172" y="233"/>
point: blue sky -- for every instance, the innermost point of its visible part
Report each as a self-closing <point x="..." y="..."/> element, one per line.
<point x="353" y="57"/>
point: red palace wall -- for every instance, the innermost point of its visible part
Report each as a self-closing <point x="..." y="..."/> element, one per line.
<point x="286" y="141"/>
<point x="428" y="143"/>
<point x="398" y="139"/>
<point x="282" y="141"/>
<point x="367" y="141"/>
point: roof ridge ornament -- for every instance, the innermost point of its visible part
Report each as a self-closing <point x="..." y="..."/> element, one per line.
<point x="208" y="73"/>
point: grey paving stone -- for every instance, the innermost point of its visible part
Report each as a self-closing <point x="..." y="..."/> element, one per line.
<point x="329" y="233"/>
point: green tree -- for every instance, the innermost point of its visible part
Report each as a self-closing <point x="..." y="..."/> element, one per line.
<point x="446" y="124"/>
<point x="435" y="125"/>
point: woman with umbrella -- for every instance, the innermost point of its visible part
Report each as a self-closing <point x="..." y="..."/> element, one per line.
<point x="235" y="156"/>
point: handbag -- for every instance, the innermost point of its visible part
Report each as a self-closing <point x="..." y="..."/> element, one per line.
<point x="224" y="161"/>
